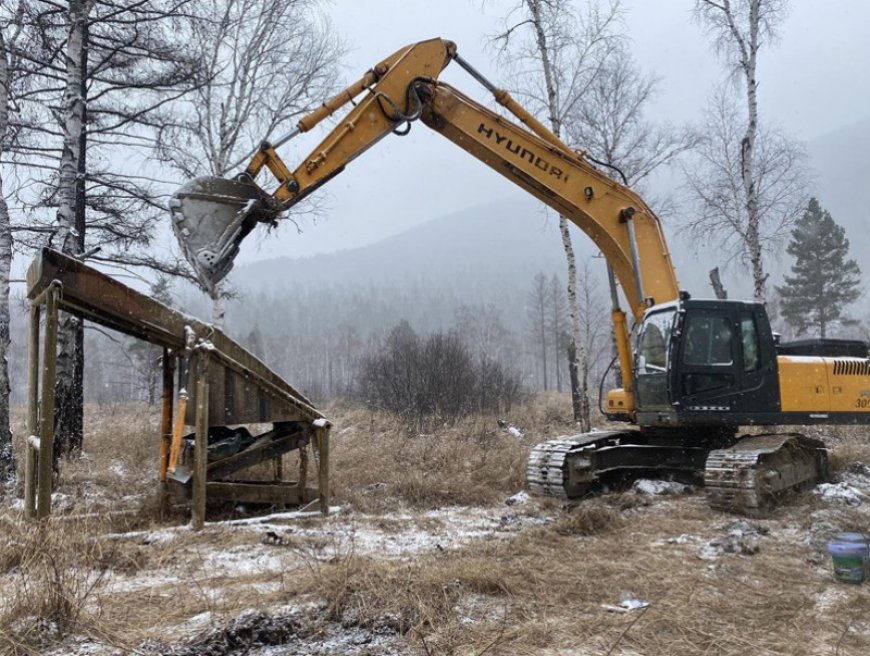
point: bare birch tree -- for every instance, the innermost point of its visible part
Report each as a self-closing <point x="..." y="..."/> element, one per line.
<point x="538" y="316"/>
<point x="716" y="182"/>
<point x="558" y="328"/>
<point x="557" y="55"/>
<point x="264" y="63"/>
<point x="69" y="238"/>
<point x="608" y="122"/>
<point x="115" y="65"/>
<point x="739" y="198"/>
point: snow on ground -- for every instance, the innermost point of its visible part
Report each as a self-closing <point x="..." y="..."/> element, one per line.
<point x="852" y="488"/>
<point x="263" y="542"/>
<point x="658" y="487"/>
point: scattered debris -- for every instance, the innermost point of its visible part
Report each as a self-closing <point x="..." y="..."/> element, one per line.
<point x="509" y="428"/>
<point x="628" y="604"/>
<point x="840" y="494"/>
<point x="519" y="499"/>
<point x="509" y="519"/>
<point x="374" y="487"/>
<point x="272" y="538"/>
<point x="741" y="538"/>
<point x="684" y="538"/>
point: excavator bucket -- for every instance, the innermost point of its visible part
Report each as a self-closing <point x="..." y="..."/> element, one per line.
<point x="210" y="217"/>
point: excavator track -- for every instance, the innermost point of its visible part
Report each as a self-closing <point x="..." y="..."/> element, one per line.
<point x="548" y="472"/>
<point x="756" y="473"/>
<point x="567" y="467"/>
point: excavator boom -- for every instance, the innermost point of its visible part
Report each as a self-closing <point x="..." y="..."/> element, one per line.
<point x="399" y="90"/>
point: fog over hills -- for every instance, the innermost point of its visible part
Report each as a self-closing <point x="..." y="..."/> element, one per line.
<point x="504" y="237"/>
<point x="841" y="165"/>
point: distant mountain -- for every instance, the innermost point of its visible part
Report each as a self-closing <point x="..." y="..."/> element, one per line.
<point x="496" y="248"/>
<point x="507" y="239"/>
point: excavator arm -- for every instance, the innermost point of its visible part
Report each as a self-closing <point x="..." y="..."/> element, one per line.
<point x="212" y="215"/>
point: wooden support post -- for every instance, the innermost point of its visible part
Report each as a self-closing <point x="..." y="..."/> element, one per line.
<point x="200" y="449"/>
<point x="323" y="469"/>
<point x="32" y="414"/>
<point x="278" y="465"/>
<point x="166" y="419"/>
<point x="46" y="424"/>
<point x="303" y="474"/>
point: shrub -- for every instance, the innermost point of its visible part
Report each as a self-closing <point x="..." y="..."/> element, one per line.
<point x="433" y="380"/>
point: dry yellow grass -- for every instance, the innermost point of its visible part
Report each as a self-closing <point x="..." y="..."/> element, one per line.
<point x="539" y="590"/>
<point x="543" y="593"/>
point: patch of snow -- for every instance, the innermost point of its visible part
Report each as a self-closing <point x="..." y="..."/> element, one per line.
<point x="61" y="501"/>
<point x="840" y="494"/>
<point x="516" y="432"/>
<point x="656" y="488"/>
<point x="321" y="422"/>
<point x="628" y="604"/>
<point x="33" y="441"/>
<point x="242" y="560"/>
<point x="684" y="538"/>
<point x="828" y="598"/>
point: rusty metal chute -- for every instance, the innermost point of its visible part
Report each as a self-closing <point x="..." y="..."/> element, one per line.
<point x="231" y="385"/>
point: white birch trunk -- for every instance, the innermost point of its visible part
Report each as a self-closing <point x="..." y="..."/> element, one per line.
<point x="73" y="124"/>
<point x="7" y="462"/>
<point x="67" y="238"/>
<point x="219" y="308"/>
<point x="747" y="47"/>
<point x="577" y="358"/>
<point x="753" y="233"/>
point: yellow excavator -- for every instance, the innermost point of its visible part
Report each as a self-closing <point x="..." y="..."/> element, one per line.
<point x="698" y="370"/>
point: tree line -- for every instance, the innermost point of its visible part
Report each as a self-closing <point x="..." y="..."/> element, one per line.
<point x="104" y="104"/>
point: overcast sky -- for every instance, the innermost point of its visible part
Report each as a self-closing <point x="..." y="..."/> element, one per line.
<point x="812" y="82"/>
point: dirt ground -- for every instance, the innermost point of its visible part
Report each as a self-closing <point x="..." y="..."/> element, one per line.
<point x="431" y="548"/>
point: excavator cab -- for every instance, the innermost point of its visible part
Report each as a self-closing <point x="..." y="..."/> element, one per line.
<point x="706" y="362"/>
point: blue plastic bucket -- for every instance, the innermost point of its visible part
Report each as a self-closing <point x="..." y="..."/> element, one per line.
<point x="851" y="555"/>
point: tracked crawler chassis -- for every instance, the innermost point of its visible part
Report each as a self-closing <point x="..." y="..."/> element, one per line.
<point x="750" y="476"/>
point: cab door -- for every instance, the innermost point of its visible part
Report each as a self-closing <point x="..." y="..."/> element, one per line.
<point x="725" y="362"/>
<point x="707" y="360"/>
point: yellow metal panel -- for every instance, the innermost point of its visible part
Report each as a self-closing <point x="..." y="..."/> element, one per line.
<point x="811" y="384"/>
<point x="850" y="384"/>
<point x="803" y="384"/>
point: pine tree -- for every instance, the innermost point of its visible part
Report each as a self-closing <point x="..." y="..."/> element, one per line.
<point x="824" y="282"/>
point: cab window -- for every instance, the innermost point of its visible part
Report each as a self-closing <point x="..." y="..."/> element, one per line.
<point x="749" y="338"/>
<point x="654" y="340"/>
<point x="708" y="340"/>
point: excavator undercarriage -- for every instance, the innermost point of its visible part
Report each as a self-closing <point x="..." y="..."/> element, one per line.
<point x="748" y="475"/>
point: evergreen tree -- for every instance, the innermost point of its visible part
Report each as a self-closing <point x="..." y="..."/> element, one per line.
<point x="824" y="282"/>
